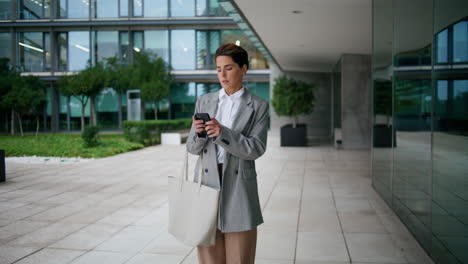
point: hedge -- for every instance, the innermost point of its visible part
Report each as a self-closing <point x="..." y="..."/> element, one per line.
<point x="148" y="132"/>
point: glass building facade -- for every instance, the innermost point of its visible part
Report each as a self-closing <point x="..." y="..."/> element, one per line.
<point x="65" y="36"/>
<point x="420" y="130"/>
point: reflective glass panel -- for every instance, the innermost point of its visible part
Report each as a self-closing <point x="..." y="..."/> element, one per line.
<point x="261" y="89"/>
<point x="5" y="45"/>
<point x="61" y="8"/>
<point x="182" y="97"/>
<point x="156" y="8"/>
<point x="78" y="50"/>
<point x="124" y="46"/>
<point x="78" y="9"/>
<point x="442" y="47"/>
<point x="137" y="7"/>
<point x="62" y="51"/>
<point x="123" y="4"/>
<point x="204" y="88"/>
<point x="450" y="140"/>
<point x="47" y="53"/>
<point x="382" y="79"/>
<point x="460" y="42"/>
<point x="256" y="58"/>
<point x="5" y="9"/>
<point x="106" y="8"/>
<point x="31" y="51"/>
<point x="202" y="50"/>
<point x="107" y="109"/>
<point x="157" y="42"/>
<point x="107" y="44"/>
<point x="28" y="9"/>
<point x="207" y="43"/>
<point x="216" y="9"/>
<point x="138" y="41"/>
<point x="183" y="49"/>
<point x="413" y="107"/>
<point x="47" y="7"/>
<point x="202" y="8"/>
<point x="183" y="8"/>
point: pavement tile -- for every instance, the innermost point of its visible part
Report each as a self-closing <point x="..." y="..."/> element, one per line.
<point x="318" y="246"/>
<point x="100" y="257"/>
<point x="11" y="254"/>
<point x="373" y="248"/>
<point x="88" y="237"/>
<point x="51" y="256"/>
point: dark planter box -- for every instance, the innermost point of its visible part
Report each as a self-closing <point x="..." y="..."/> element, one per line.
<point x="2" y="165"/>
<point x="292" y="137"/>
<point x="383" y="136"/>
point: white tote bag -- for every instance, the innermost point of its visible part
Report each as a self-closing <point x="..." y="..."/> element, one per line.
<point x="193" y="209"/>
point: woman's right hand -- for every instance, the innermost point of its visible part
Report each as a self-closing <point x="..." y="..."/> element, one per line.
<point x="198" y="125"/>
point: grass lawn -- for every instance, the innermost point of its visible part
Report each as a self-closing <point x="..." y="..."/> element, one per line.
<point x="64" y="145"/>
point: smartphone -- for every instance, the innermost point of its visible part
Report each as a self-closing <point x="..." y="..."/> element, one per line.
<point x="205" y="117"/>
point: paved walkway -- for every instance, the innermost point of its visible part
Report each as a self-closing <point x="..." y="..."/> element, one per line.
<point x="317" y="202"/>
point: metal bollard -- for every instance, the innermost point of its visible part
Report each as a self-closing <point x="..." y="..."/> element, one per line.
<point x="2" y="165"/>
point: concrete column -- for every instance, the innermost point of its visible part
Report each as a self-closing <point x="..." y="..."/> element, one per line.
<point x="356" y="101"/>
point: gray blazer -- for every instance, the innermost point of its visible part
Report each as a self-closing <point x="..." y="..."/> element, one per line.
<point x="239" y="206"/>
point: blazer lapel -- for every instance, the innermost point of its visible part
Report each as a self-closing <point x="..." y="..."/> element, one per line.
<point x="244" y="112"/>
<point x="211" y="105"/>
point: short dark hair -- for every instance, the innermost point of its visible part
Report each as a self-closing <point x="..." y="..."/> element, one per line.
<point x="237" y="53"/>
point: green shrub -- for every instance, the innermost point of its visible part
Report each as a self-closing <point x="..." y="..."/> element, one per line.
<point x="292" y="98"/>
<point x="90" y="136"/>
<point x="148" y="132"/>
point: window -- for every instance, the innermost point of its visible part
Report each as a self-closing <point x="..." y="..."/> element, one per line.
<point x="33" y="9"/>
<point x="460" y="42"/>
<point x="107" y="45"/>
<point x="157" y="43"/>
<point x="62" y="51"/>
<point x="124" y="46"/>
<point x="77" y="9"/>
<point x="5" y="9"/>
<point x="5" y="45"/>
<point x="78" y="50"/>
<point x="156" y="8"/>
<point x="183" y="49"/>
<point x="138" y="41"/>
<point x="183" y="8"/>
<point x="256" y="59"/>
<point x="207" y="43"/>
<point x="106" y="8"/>
<point x="442" y="47"/>
<point x="204" y="88"/>
<point x="137" y="8"/>
<point x="182" y="96"/>
<point x="31" y="51"/>
<point x="61" y="8"/>
<point x="209" y="8"/>
<point x="123" y="4"/>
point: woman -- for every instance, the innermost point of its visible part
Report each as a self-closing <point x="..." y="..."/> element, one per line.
<point x="235" y="137"/>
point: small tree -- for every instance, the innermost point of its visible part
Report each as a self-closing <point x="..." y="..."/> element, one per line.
<point x="292" y="98"/>
<point x="27" y="96"/>
<point x="119" y="76"/>
<point x="153" y="78"/>
<point x="85" y="86"/>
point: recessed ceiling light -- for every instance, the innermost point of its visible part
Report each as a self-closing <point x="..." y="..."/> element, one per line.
<point x="296" y="11"/>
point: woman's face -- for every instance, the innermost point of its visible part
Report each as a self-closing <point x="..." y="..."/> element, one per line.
<point x="229" y="73"/>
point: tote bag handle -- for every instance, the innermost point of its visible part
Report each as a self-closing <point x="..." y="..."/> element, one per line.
<point x="184" y="176"/>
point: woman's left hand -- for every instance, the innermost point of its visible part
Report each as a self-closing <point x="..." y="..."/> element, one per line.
<point x="213" y="128"/>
